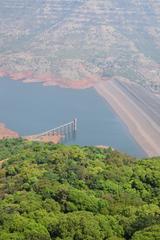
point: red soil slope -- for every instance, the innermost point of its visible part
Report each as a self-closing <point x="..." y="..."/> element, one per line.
<point x="7" y="133"/>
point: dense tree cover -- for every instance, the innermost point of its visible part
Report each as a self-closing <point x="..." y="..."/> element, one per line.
<point x="82" y="193"/>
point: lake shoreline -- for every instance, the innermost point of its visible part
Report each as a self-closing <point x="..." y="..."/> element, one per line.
<point x="93" y="86"/>
<point x="49" y="80"/>
<point x="6" y="132"/>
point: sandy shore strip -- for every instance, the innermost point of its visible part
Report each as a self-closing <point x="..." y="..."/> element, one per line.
<point x="140" y="124"/>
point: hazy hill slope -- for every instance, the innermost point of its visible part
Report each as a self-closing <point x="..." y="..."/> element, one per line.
<point x="68" y="192"/>
<point x="81" y="39"/>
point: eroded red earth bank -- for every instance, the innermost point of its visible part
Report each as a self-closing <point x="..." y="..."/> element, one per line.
<point x="7" y="133"/>
<point x="50" y="79"/>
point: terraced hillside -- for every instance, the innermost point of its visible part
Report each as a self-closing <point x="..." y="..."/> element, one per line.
<point x="77" y="43"/>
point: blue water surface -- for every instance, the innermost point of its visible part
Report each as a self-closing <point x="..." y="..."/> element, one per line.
<point x="33" y="108"/>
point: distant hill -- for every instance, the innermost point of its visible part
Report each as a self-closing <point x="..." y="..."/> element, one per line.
<point x="75" y="193"/>
<point x="80" y="41"/>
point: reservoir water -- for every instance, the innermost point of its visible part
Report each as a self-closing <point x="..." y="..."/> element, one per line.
<point x="33" y="108"/>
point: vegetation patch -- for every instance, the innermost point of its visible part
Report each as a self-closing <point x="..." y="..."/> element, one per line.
<point x="82" y="193"/>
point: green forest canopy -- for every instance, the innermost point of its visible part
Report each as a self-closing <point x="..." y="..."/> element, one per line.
<point x="82" y="193"/>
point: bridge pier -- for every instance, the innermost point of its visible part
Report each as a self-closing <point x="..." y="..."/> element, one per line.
<point x="66" y="131"/>
<point x="75" y="124"/>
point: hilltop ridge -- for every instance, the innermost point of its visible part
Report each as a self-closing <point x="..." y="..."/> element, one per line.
<point x="76" y="44"/>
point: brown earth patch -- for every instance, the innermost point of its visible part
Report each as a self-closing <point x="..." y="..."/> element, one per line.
<point x="7" y="133"/>
<point x="51" y="79"/>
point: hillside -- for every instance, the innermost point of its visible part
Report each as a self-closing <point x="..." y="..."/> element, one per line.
<point x="82" y="193"/>
<point x="77" y="43"/>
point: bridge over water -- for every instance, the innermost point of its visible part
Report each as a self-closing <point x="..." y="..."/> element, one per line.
<point x="66" y="132"/>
